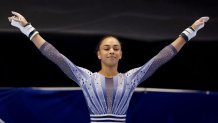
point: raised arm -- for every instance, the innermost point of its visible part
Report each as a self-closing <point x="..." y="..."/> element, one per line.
<point x="78" y="74"/>
<point x="189" y="33"/>
<point x="137" y="75"/>
<point x="20" y="22"/>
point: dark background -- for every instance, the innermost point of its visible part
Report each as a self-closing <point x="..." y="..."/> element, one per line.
<point x="74" y="27"/>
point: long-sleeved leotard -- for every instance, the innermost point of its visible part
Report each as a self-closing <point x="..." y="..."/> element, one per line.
<point x="107" y="98"/>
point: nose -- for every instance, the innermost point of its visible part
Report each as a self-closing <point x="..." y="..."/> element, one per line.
<point x="111" y="51"/>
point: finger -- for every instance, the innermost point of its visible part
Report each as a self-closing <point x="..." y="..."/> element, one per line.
<point x="10" y="19"/>
<point x="17" y="14"/>
<point x="15" y="18"/>
<point x="204" y="19"/>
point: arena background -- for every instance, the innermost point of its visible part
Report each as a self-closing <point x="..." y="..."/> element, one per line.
<point x="75" y="26"/>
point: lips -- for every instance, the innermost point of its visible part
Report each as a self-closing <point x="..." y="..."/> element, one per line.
<point x="111" y="57"/>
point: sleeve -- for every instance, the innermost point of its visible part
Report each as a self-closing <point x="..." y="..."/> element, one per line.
<point x="137" y="75"/>
<point x="78" y="74"/>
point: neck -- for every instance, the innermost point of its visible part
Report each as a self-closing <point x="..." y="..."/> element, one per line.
<point x="108" y="72"/>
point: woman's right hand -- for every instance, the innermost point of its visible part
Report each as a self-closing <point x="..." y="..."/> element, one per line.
<point x="17" y="17"/>
<point x="17" y="20"/>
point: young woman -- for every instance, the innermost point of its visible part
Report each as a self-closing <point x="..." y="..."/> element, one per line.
<point x="107" y="92"/>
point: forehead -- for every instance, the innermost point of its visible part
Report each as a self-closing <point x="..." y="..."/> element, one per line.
<point x="110" y="41"/>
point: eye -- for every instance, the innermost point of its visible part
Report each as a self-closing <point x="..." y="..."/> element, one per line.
<point x="106" y="49"/>
<point x="116" y="49"/>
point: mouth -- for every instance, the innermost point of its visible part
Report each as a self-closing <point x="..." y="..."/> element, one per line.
<point x="112" y="57"/>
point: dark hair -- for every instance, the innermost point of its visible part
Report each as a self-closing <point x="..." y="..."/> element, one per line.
<point x="102" y="39"/>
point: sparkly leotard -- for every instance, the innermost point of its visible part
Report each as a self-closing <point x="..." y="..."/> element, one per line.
<point x="107" y="98"/>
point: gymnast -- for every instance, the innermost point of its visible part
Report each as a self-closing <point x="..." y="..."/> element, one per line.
<point x="107" y="91"/>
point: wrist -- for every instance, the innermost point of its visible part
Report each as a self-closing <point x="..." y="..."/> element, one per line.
<point x="188" y="33"/>
<point x="29" y="31"/>
<point x="25" y="24"/>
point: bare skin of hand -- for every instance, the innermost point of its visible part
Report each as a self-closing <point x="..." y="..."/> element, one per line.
<point x="199" y="22"/>
<point x="18" y="17"/>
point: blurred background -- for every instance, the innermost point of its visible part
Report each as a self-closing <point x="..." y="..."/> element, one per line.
<point x="74" y="27"/>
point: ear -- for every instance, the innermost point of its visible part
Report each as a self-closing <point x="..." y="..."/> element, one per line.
<point x="99" y="56"/>
<point x="121" y="54"/>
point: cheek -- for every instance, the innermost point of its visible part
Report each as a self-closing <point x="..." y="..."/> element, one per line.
<point x="119" y="54"/>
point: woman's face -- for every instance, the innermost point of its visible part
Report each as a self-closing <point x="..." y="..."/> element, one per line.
<point x="110" y="51"/>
